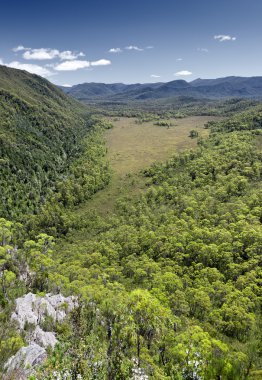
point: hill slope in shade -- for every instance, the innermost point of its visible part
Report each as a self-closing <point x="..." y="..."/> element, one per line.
<point x="40" y="132"/>
<point x="228" y="87"/>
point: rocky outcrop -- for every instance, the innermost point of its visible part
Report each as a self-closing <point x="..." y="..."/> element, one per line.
<point x="26" y="359"/>
<point x="32" y="309"/>
<point x="30" y="314"/>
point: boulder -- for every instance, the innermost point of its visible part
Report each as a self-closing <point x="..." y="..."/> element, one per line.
<point x="26" y="358"/>
<point x="43" y="338"/>
<point x="32" y="309"/>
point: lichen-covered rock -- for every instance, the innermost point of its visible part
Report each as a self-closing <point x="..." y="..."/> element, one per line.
<point x="24" y="312"/>
<point x="26" y="359"/>
<point x="30" y="312"/>
<point x="43" y="338"/>
<point x="32" y="309"/>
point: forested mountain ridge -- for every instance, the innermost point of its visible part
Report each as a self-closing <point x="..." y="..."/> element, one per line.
<point x="51" y="158"/>
<point x="228" y="87"/>
<point x="41" y="132"/>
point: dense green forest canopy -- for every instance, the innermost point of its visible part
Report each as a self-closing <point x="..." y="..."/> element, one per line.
<point x="170" y="283"/>
<point x="41" y="132"/>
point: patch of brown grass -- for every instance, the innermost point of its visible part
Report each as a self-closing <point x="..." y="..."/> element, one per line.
<point x="133" y="147"/>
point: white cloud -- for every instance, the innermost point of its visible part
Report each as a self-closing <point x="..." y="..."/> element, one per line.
<point x="33" y="69"/>
<point x="179" y="59"/>
<point x="183" y="73"/>
<point x="19" y="48"/>
<point x="132" y="47"/>
<point x="41" y="54"/>
<point x="1" y="61"/>
<point x="79" y="64"/>
<point x="115" y="50"/>
<point x="224" y="37"/>
<point x="72" y="65"/>
<point x="67" y="85"/>
<point x="69" y="55"/>
<point x="101" y="62"/>
<point x="154" y="76"/>
<point x="46" y="54"/>
<point x="203" y="50"/>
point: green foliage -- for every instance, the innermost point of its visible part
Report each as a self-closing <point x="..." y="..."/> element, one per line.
<point x="164" y="123"/>
<point x="86" y="175"/>
<point x="193" y="134"/>
<point x="41" y="132"/>
<point x="185" y="260"/>
<point x="169" y="284"/>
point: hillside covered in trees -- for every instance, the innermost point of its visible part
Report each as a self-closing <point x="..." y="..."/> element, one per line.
<point x="168" y="286"/>
<point x="41" y="133"/>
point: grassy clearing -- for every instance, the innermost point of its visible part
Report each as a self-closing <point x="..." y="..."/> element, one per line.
<point x="133" y="147"/>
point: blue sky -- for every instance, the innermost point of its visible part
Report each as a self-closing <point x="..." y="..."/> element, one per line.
<point x="72" y="42"/>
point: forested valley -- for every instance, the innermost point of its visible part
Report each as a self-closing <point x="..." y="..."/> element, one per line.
<point x="167" y="282"/>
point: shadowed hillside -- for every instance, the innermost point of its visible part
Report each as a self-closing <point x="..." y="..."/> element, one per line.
<point x="40" y="133"/>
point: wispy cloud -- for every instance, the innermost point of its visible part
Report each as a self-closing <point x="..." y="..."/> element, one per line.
<point x="179" y="59"/>
<point x="72" y="65"/>
<point x="19" y="48"/>
<point x="203" y="50"/>
<point x="80" y="64"/>
<point x="115" y="50"/>
<point x="43" y="54"/>
<point x="101" y="62"/>
<point x="40" y="54"/>
<point x="69" y="55"/>
<point x="49" y="54"/>
<point x="129" y="47"/>
<point x="67" y="85"/>
<point x="224" y="37"/>
<point x="133" y="47"/>
<point x="155" y="76"/>
<point x="183" y="73"/>
<point x="65" y="60"/>
<point x="31" y="68"/>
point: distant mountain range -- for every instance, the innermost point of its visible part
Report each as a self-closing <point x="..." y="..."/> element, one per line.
<point x="228" y="87"/>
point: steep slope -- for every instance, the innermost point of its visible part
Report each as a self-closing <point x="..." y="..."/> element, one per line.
<point x="40" y="133"/>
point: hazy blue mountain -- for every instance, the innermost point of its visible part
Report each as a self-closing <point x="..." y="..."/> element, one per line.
<point x="200" y="88"/>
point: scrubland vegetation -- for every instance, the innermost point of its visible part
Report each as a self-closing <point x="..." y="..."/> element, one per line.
<point x="169" y="277"/>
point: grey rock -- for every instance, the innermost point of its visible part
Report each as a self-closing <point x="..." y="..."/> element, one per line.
<point x="26" y="358"/>
<point x="43" y="338"/>
<point x="32" y="309"/>
<point x="24" y="312"/>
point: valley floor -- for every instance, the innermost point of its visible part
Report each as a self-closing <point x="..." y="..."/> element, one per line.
<point x="133" y="147"/>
